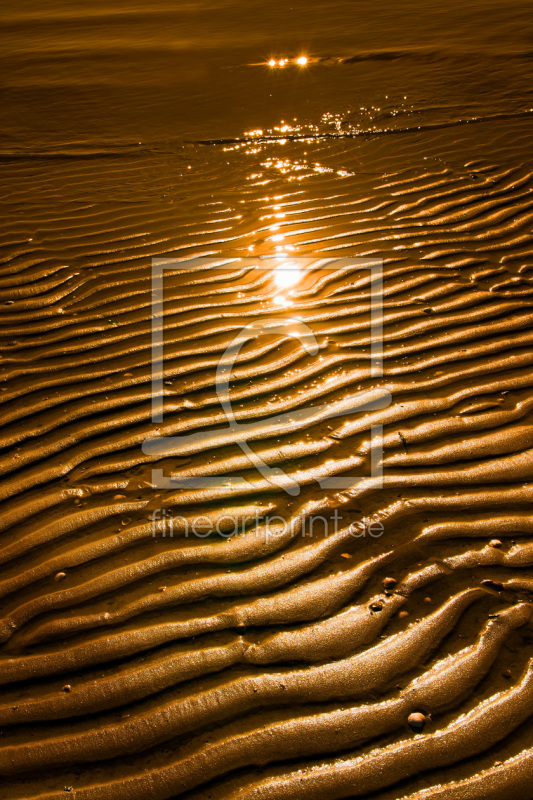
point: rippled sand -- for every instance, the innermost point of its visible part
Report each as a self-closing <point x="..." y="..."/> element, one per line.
<point x="138" y="660"/>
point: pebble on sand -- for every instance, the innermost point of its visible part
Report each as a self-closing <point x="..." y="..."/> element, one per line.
<point x="377" y="605"/>
<point x="493" y="585"/>
<point x="67" y="688"/>
<point x="495" y="543"/>
<point x="416" y="721"/>
<point x="389" y="583"/>
<point x="59" y="576"/>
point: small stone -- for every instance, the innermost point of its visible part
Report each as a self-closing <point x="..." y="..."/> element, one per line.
<point x="59" y="576"/>
<point x="127" y="374"/>
<point x="67" y="688"/>
<point x="345" y="555"/>
<point x="497" y="763"/>
<point x="507" y="674"/>
<point x="119" y="497"/>
<point x="161" y="588"/>
<point x="9" y="302"/>
<point x="403" y="614"/>
<point x="416" y="721"/>
<point x="428" y="600"/>
<point x="125" y="521"/>
<point x="389" y="583"/>
<point x="489" y="584"/>
<point x="68" y="788"/>
<point x="377" y="605"/>
<point x="495" y="543"/>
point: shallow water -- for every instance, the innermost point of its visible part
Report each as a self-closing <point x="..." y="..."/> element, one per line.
<point x="264" y="664"/>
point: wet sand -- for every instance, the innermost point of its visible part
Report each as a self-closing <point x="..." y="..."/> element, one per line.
<point x="166" y="631"/>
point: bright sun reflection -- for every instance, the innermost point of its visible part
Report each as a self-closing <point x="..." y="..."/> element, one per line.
<point x="302" y="61"/>
<point x="287" y="274"/>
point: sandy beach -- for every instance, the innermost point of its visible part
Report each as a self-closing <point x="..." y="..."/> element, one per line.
<point x="266" y="291"/>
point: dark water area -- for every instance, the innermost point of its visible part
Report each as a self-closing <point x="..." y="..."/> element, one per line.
<point x="309" y="575"/>
<point x="119" y="74"/>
